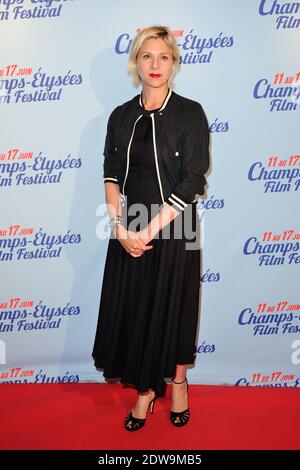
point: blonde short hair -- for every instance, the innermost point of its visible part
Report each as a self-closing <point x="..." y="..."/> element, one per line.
<point x="162" y="32"/>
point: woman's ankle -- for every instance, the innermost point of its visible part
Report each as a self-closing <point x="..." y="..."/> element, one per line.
<point x="145" y="394"/>
<point x="179" y="380"/>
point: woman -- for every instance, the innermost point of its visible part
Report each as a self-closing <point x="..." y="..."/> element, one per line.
<point x="156" y="155"/>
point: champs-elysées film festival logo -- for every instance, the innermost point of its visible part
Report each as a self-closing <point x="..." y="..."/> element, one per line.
<point x="281" y="92"/>
<point x="285" y="13"/>
<point x="26" y="10"/>
<point x="276" y="174"/>
<point x="27" y="243"/>
<point x="18" y="314"/>
<point x="273" y="249"/>
<point x="21" y="84"/>
<point x="280" y="318"/>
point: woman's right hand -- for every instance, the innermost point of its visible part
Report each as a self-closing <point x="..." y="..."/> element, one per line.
<point x="131" y="241"/>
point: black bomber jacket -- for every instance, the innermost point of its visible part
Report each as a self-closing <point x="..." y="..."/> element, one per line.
<point x="180" y="147"/>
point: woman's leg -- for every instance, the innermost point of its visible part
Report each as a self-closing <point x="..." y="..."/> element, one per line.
<point x="141" y="406"/>
<point x="179" y="390"/>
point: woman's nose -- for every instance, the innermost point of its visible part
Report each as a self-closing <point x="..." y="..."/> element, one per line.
<point x="155" y="63"/>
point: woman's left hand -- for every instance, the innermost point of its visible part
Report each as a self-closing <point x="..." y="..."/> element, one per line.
<point x="144" y="235"/>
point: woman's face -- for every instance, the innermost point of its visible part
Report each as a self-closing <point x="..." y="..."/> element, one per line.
<point x="154" y="63"/>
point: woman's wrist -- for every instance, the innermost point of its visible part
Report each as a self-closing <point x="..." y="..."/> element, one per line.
<point x="114" y="222"/>
<point x="119" y="231"/>
<point x="146" y="234"/>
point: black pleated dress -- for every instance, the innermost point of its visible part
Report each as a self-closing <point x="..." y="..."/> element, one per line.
<point x="149" y="305"/>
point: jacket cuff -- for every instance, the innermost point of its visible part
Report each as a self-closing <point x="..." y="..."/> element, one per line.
<point x="176" y="202"/>
<point x="110" y="179"/>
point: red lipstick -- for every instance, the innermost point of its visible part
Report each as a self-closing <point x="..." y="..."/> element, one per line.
<point x="155" y="75"/>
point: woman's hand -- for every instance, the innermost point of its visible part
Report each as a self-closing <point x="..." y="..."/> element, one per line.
<point x="133" y="242"/>
<point x="144" y="235"/>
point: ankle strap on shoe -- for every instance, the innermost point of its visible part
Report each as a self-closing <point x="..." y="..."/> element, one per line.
<point x="179" y="382"/>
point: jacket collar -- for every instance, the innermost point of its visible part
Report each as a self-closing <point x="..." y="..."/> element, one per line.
<point x="165" y="102"/>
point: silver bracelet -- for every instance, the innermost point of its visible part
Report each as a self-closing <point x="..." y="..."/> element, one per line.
<point x="118" y="220"/>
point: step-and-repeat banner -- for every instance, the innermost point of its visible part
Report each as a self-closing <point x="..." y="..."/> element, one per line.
<point x="62" y="71"/>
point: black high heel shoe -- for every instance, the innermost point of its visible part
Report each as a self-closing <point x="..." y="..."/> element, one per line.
<point x="132" y="423"/>
<point x="182" y="418"/>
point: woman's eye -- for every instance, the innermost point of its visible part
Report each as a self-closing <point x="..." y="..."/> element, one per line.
<point x="146" y="56"/>
<point x="165" y="57"/>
